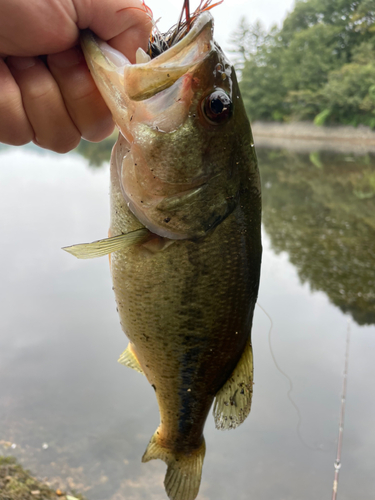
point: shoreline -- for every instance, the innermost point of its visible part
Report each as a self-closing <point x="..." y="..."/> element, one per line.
<point x="306" y="137"/>
<point x="16" y="483"/>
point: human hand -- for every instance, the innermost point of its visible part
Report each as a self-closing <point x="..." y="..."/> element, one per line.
<point x="55" y="103"/>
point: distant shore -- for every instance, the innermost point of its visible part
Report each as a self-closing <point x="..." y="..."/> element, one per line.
<point x="307" y="137"/>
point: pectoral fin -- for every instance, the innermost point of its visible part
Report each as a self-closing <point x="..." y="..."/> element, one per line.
<point x="108" y="245"/>
<point x="129" y="359"/>
<point x="233" y="401"/>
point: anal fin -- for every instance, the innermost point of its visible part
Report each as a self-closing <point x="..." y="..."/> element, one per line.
<point x="233" y="401"/>
<point x="184" y="472"/>
<point x="129" y="359"/>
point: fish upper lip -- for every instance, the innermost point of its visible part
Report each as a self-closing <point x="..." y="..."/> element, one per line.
<point x="88" y="37"/>
<point x="125" y="82"/>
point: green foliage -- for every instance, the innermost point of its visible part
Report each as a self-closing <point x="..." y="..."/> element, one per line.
<point x="322" y="117"/>
<point x="247" y="40"/>
<point x="364" y="16"/>
<point x="310" y="56"/>
<point x="320" y="64"/>
<point x="262" y="91"/>
<point x="349" y="92"/>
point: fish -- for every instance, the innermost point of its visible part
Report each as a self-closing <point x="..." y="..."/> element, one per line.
<point x="184" y="241"/>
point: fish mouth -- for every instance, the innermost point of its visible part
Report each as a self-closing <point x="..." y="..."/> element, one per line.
<point x="151" y="102"/>
<point x="120" y="81"/>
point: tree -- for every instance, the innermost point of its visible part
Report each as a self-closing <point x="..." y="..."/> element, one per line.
<point x="261" y="83"/>
<point x="310" y="56"/>
<point x="247" y="40"/>
<point x="320" y="63"/>
<point x="349" y="94"/>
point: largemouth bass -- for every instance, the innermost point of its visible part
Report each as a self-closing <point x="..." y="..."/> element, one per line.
<point x="184" y="242"/>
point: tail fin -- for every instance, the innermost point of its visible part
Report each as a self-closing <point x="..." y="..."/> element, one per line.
<point x="184" y="472"/>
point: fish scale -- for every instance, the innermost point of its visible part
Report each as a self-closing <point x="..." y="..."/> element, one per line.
<point x="186" y="291"/>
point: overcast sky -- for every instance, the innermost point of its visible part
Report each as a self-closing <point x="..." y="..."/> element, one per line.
<point x="226" y="15"/>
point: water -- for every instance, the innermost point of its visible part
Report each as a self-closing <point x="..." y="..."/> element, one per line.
<point x="82" y="420"/>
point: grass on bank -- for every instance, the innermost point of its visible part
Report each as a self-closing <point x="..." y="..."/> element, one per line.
<point x="18" y="484"/>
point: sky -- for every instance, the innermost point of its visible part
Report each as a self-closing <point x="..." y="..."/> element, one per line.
<point x="227" y="15"/>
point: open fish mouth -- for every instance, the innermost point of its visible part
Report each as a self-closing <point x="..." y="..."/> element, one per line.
<point x="157" y="105"/>
<point x="147" y="77"/>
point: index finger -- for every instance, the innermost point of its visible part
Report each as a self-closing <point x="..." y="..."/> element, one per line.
<point x="125" y="24"/>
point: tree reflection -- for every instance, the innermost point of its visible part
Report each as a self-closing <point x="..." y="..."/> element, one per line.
<point x="97" y="153"/>
<point x="320" y="208"/>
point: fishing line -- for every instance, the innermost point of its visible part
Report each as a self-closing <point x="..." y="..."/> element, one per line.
<point x="291" y="387"/>
<point x="160" y="42"/>
<point x="337" y="464"/>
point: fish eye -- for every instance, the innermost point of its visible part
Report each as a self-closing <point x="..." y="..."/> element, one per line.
<point x="217" y="107"/>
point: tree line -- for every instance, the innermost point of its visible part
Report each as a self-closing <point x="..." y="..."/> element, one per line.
<point x="320" y="65"/>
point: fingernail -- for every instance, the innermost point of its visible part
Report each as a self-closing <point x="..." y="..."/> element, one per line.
<point x="21" y="62"/>
<point x="66" y="59"/>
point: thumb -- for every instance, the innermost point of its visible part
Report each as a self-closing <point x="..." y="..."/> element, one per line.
<point x="124" y="24"/>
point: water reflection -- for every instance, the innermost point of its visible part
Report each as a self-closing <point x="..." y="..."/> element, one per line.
<point x="60" y="338"/>
<point x="319" y="208"/>
<point x="97" y="153"/>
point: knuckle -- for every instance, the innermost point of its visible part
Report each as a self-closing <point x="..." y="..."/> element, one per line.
<point x="14" y="126"/>
<point x="46" y="91"/>
<point x="14" y="140"/>
<point x="97" y="131"/>
<point x="66" y="144"/>
<point x="83" y="92"/>
<point x="16" y="133"/>
<point x="10" y="101"/>
<point x="17" y="140"/>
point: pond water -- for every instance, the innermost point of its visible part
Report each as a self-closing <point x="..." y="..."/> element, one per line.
<point x="77" y="417"/>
